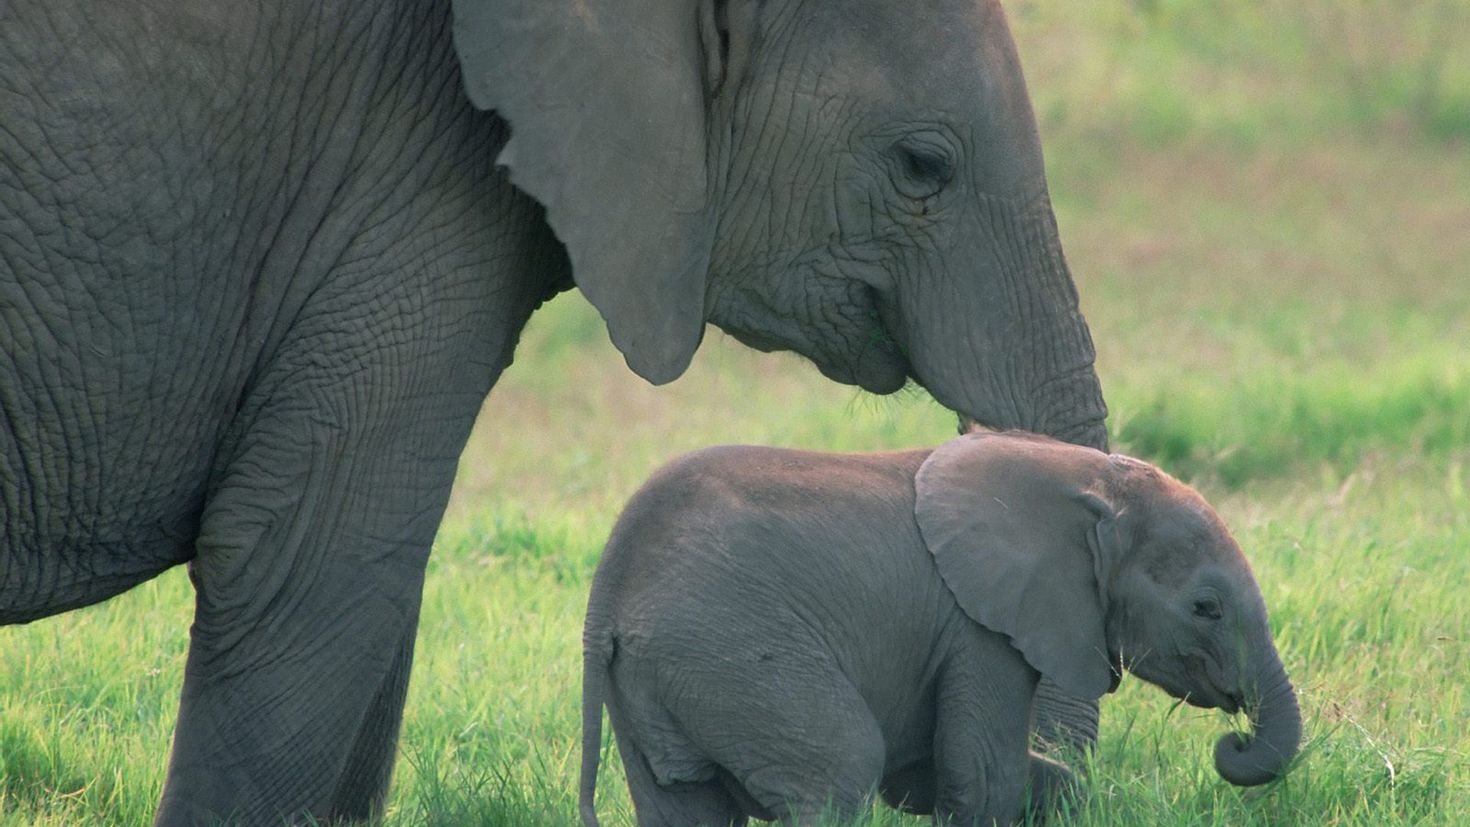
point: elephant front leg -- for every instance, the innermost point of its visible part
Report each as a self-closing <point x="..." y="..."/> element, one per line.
<point x="981" y="761"/>
<point x="323" y="748"/>
<point x="308" y="576"/>
<point x="1051" y="788"/>
<point x="1062" y="721"/>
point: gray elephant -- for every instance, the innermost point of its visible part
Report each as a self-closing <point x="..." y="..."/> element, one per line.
<point x="776" y="631"/>
<point x="261" y="262"/>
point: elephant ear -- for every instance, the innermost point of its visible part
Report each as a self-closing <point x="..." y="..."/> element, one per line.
<point x="1024" y="535"/>
<point x="606" y="108"/>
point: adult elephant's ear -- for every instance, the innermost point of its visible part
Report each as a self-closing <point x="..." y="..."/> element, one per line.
<point x="606" y="105"/>
<point x="1023" y="534"/>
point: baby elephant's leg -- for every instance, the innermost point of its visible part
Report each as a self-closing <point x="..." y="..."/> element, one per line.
<point x="832" y="778"/>
<point x="796" y="738"/>
<point x="671" y="782"/>
<point x="981" y="760"/>
<point x="979" y="784"/>
<point x="680" y="804"/>
<point x="1051" y="788"/>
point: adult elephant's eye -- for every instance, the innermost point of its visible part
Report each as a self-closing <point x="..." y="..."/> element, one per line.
<point x="1208" y="609"/>
<point x="924" y="167"/>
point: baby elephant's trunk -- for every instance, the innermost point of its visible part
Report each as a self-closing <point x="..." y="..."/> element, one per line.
<point x="1276" y="731"/>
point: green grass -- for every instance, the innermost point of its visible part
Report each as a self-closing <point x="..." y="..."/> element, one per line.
<point x="1272" y="244"/>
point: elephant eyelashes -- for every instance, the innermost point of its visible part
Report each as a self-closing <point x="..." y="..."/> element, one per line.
<point x="1207" y="609"/>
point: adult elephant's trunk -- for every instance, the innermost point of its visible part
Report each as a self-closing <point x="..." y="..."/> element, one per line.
<point x="1093" y="433"/>
<point x="1007" y="345"/>
<point x="1276" y="731"/>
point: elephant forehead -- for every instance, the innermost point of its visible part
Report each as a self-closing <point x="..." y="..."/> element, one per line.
<point x="957" y="62"/>
<point x="1184" y="529"/>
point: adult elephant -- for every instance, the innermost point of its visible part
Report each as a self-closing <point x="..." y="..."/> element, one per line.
<point x="261" y="262"/>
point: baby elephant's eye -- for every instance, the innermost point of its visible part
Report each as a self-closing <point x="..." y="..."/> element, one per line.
<point x="1207" y="609"/>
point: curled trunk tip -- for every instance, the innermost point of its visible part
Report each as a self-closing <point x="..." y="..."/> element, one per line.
<point x="1264" y="754"/>
<point x="1235" y="764"/>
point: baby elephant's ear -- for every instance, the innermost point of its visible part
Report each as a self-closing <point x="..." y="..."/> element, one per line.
<point x="1012" y="522"/>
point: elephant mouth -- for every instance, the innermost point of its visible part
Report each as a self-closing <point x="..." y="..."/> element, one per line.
<point x="1224" y="692"/>
<point x="1234" y="702"/>
<point x="970" y="425"/>
<point x="877" y="367"/>
<point x="876" y="371"/>
<point x="755" y="341"/>
<point x="1200" y="692"/>
<point x="1228" y="701"/>
<point x="1212" y="698"/>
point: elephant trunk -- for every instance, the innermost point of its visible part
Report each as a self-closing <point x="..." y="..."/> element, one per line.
<point x="1026" y="358"/>
<point x="1276" y="726"/>
<point x="1091" y="432"/>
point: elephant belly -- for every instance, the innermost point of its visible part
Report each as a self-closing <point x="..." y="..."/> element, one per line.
<point x="102" y="474"/>
<point x="122" y="302"/>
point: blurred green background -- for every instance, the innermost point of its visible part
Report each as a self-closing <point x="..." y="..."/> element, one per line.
<point x="1266" y="206"/>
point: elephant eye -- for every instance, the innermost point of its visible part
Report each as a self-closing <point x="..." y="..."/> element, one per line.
<point x="927" y="165"/>
<point x="924" y="168"/>
<point x="1207" y="609"/>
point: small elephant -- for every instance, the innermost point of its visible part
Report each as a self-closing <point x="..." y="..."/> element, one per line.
<point x="775" y="632"/>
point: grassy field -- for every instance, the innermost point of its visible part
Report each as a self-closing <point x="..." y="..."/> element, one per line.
<point x="1267" y="208"/>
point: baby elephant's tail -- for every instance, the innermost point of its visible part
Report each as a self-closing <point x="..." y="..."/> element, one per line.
<point x="597" y="650"/>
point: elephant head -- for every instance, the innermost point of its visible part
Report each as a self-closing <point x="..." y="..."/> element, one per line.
<point x="857" y="182"/>
<point x="1092" y="563"/>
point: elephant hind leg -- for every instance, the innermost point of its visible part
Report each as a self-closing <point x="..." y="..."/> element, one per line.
<point x="780" y="730"/>
<point x="680" y="804"/>
<point x="796" y="750"/>
<point x="685" y="789"/>
<point x="835" y="782"/>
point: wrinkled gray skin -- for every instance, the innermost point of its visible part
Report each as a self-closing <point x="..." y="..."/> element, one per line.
<point x="261" y="262"/>
<point x="773" y="630"/>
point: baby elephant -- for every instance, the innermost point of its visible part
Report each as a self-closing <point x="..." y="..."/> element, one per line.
<point x="776" y="633"/>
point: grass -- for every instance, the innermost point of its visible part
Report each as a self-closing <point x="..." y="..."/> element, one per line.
<point x="1276" y="265"/>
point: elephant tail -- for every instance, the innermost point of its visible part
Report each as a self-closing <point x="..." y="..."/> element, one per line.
<point x="597" y="652"/>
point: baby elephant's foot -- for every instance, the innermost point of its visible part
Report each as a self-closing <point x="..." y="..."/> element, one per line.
<point x="1052" y="789"/>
